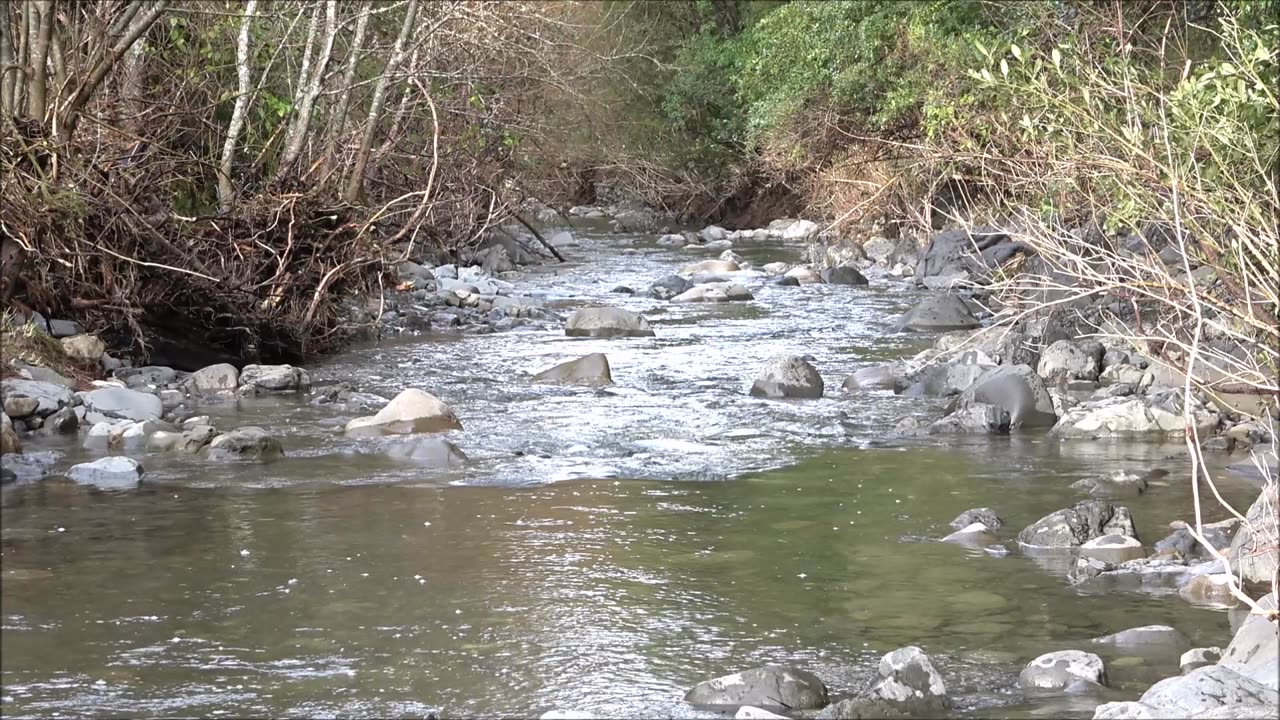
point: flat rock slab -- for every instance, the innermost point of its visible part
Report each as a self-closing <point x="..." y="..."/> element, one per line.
<point x="771" y="686"/>
<point x="108" y="472"/>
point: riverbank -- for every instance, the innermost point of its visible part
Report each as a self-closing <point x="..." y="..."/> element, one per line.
<point x="680" y="408"/>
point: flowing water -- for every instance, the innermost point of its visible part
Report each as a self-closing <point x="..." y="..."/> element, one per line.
<point x="603" y="551"/>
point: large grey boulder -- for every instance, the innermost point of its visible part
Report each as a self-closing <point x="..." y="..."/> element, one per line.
<point x="772" y="686"/>
<point x="964" y="253"/>
<point x="1071" y="360"/>
<point x="1207" y="689"/>
<point x="19" y="408"/>
<point x="910" y="684"/>
<point x="1115" y="484"/>
<point x="85" y="348"/>
<point x="946" y="379"/>
<point x="787" y="376"/>
<point x="1057" y="670"/>
<point x="983" y="515"/>
<point x="669" y="287"/>
<point x="843" y="275"/>
<point x="246" y="443"/>
<point x="1253" y="549"/>
<point x="606" y="322"/>
<point x="275" y="378"/>
<point x="939" y="313"/>
<point x="9" y="442"/>
<point x="1078" y="524"/>
<point x="1003" y="344"/>
<point x="214" y="378"/>
<point x="412" y="411"/>
<point x="50" y="397"/>
<point x="973" y="418"/>
<point x="1127" y="710"/>
<point x="108" y="472"/>
<point x="433" y="452"/>
<point x="876" y="377"/>
<point x="590" y="369"/>
<point x="1017" y="390"/>
<point x="1156" y="416"/>
<point x="1254" y="649"/>
<point x="116" y="402"/>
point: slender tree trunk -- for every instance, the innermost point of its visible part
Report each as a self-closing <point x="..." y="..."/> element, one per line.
<point x="58" y="58"/>
<point x="98" y="72"/>
<point x="402" y="109"/>
<point x="338" y="117"/>
<point x="307" y="94"/>
<point x="36" y="103"/>
<point x="19" y="92"/>
<point x="8" y="62"/>
<point x="226" y="190"/>
<point x="131" y="85"/>
<point x="356" y="182"/>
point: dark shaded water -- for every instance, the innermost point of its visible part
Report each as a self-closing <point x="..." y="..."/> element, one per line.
<point x="654" y="534"/>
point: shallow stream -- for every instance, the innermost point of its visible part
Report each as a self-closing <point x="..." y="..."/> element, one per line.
<point x="603" y="551"/>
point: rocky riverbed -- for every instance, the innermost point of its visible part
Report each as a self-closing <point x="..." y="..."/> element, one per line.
<point x="652" y="360"/>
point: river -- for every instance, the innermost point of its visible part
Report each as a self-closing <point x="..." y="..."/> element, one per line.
<point x="603" y="551"/>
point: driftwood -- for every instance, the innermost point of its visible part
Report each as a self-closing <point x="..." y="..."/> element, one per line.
<point x="541" y="239"/>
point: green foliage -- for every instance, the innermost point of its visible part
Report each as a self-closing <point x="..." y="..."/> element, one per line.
<point x="884" y="68"/>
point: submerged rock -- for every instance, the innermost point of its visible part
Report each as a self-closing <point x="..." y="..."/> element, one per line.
<point x="1115" y="484"/>
<point x="246" y="443"/>
<point x="433" y="452"/>
<point x="787" y="376"/>
<point x="590" y="369"/>
<point x="710" y="266"/>
<point x="117" y="402"/>
<point x="606" y="322"/>
<point x="1147" y="636"/>
<point x="714" y="292"/>
<point x="771" y="686"/>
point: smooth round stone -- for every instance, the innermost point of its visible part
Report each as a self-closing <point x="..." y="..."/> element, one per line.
<point x="1113" y="548"/>
<point x="978" y="601"/>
